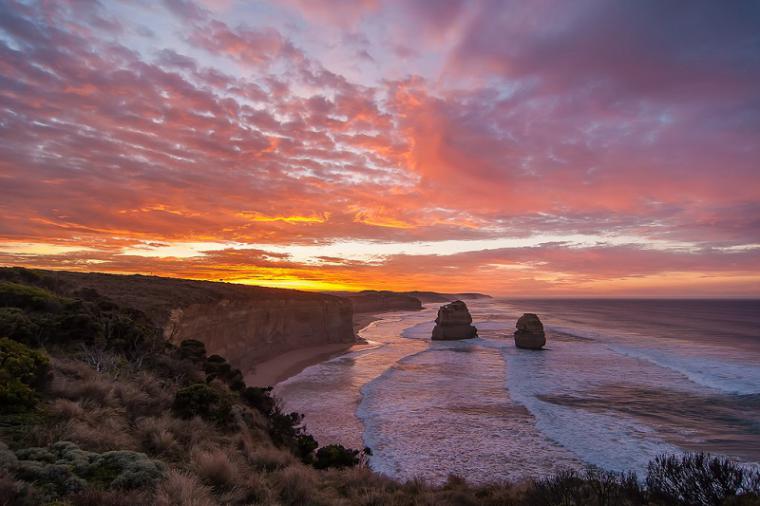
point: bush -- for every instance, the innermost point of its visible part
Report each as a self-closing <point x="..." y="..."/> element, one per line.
<point x="336" y="456"/>
<point x="192" y="349"/>
<point x="699" y="479"/>
<point x="203" y="401"/>
<point x="217" y="367"/>
<point x="284" y="429"/>
<point x="305" y="446"/>
<point x="15" y="323"/>
<point x="259" y="398"/>
<point x="28" y="297"/>
<point x="95" y="497"/>
<point x="64" y="468"/>
<point x="594" y="487"/>
<point x="124" y="470"/>
<point x="23" y="372"/>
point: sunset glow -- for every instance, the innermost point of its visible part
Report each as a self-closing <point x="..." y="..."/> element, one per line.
<point x="514" y="148"/>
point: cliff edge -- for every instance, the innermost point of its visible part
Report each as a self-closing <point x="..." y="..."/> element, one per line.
<point x="245" y="323"/>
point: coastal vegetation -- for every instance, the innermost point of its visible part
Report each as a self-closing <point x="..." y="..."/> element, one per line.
<point x="98" y="408"/>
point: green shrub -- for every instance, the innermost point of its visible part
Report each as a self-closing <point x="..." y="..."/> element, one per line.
<point x="124" y="470"/>
<point x="218" y="368"/>
<point x="28" y="297"/>
<point x="203" y="401"/>
<point x="700" y="479"/>
<point x="64" y="468"/>
<point x="17" y="325"/>
<point x="283" y="429"/>
<point x="259" y="398"/>
<point x="305" y="445"/>
<point x="336" y="456"/>
<point x="23" y="372"/>
<point x="8" y="459"/>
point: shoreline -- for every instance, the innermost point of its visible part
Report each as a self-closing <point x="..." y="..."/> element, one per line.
<point x="281" y="367"/>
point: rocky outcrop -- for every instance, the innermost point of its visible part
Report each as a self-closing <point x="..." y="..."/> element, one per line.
<point x="454" y="322"/>
<point x="371" y="301"/>
<point x="245" y="324"/>
<point x="530" y="332"/>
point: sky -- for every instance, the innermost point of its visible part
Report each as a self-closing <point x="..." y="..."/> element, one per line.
<point x="526" y="149"/>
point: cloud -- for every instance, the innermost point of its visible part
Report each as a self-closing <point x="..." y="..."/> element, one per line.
<point x="631" y="120"/>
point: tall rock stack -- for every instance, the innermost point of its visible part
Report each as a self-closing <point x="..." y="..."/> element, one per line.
<point x="454" y="322"/>
<point x="530" y="332"/>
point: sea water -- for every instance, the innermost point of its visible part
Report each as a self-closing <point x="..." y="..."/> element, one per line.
<point x="618" y="383"/>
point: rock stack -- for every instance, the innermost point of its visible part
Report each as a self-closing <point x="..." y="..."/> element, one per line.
<point x="454" y="322"/>
<point x="530" y="332"/>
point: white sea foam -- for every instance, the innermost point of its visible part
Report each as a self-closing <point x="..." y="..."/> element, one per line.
<point x="729" y="376"/>
<point x="486" y="410"/>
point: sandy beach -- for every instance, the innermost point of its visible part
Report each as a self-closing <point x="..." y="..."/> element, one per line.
<point x="282" y="367"/>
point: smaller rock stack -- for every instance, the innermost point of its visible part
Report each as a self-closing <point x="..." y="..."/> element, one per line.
<point x="530" y="332"/>
<point x="454" y="322"/>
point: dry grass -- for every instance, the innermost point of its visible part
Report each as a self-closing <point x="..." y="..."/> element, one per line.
<point x="10" y="490"/>
<point x="144" y="395"/>
<point x="268" y="458"/>
<point x="195" y="433"/>
<point x="76" y="381"/>
<point x="297" y="486"/>
<point x="66" y="409"/>
<point x="156" y="437"/>
<point x="216" y="468"/>
<point x="104" y="433"/>
<point x="183" y="489"/>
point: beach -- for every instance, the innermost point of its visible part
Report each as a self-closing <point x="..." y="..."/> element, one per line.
<point x="283" y="366"/>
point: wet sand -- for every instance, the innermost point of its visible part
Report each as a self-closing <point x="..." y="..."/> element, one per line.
<point x="282" y="367"/>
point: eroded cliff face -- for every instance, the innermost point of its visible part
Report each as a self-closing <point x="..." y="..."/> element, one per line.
<point x="252" y="331"/>
<point x="244" y="324"/>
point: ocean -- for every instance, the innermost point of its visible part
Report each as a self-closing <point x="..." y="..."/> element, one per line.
<point x="619" y="382"/>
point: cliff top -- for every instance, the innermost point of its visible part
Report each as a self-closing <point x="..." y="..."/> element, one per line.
<point x="155" y="295"/>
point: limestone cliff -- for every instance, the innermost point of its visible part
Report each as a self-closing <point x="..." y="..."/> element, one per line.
<point x="245" y="324"/>
<point x="248" y="332"/>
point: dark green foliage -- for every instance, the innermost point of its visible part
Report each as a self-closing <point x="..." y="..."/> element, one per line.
<point x="336" y="456"/>
<point x="123" y="469"/>
<point x="217" y="368"/>
<point x="192" y="349"/>
<point x="64" y="468"/>
<point x="700" y="479"/>
<point x="284" y="429"/>
<point x="305" y="444"/>
<point x="28" y="297"/>
<point x="259" y="398"/>
<point x="23" y="372"/>
<point x="203" y="401"/>
<point x="17" y="325"/>
<point x="35" y="315"/>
